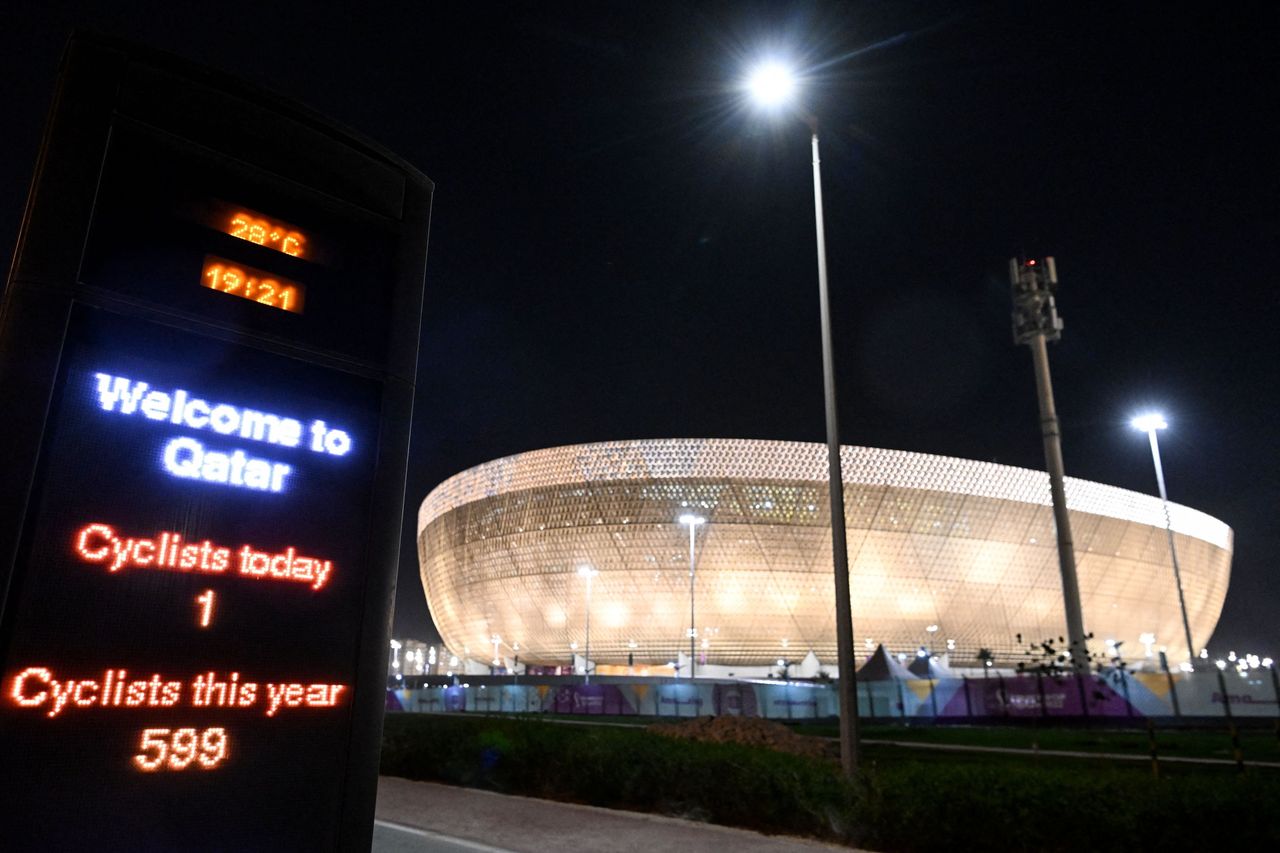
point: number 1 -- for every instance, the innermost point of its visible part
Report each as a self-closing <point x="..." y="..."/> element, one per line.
<point x="206" y="600"/>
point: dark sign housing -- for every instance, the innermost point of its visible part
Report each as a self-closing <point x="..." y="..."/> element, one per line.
<point x="207" y="354"/>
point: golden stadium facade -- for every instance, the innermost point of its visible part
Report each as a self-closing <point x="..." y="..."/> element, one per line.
<point x="965" y="546"/>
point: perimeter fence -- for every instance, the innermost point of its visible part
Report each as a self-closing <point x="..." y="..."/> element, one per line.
<point x="1113" y="696"/>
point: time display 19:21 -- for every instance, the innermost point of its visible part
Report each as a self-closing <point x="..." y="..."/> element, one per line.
<point x="248" y="283"/>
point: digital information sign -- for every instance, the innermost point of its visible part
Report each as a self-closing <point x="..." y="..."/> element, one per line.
<point x="207" y="434"/>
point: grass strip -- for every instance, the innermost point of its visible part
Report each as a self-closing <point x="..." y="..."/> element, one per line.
<point x="899" y="803"/>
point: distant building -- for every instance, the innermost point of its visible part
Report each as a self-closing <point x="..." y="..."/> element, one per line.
<point x="948" y="554"/>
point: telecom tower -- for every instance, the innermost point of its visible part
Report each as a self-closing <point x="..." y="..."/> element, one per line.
<point x="1035" y="321"/>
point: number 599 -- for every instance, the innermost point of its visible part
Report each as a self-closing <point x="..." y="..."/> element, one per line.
<point x="178" y="749"/>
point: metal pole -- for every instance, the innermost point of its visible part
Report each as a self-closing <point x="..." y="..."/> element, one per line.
<point x="586" y="663"/>
<point x="1062" y="521"/>
<point x="847" y="684"/>
<point x="1173" y="690"/>
<point x="1173" y="552"/>
<point x="1275" y="687"/>
<point x="1236" y="751"/>
<point x="693" y="631"/>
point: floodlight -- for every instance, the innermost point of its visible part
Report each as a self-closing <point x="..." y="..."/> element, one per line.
<point x="1149" y="421"/>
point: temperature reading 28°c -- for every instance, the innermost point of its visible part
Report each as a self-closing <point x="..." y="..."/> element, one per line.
<point x="264" y="232"/>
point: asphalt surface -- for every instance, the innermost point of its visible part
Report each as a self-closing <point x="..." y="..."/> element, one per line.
<point x="423" y="817"/>
<point x="397" y="838"/>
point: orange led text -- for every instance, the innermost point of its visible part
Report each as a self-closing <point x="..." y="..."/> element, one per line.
<point x="273" y="235"/>
<point x="252" y="284"/>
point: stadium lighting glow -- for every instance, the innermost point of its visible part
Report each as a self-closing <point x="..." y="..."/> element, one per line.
<point x="771" y="83"/>
<point x="647" y="578"/>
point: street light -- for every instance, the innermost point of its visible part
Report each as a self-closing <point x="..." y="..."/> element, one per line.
<point x="772" y="85"/>
<point x="587" y="572"/>
<point x="1149" y="423"/>
<point x="693" y="521"/>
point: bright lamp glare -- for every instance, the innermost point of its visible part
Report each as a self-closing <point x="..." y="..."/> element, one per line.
<point x="587" y="571"/>
<point x="1149" y="422"/>
<point x="691" y="519"/>
<point x="771" y="84"/>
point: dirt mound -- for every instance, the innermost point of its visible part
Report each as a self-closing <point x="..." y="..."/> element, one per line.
<point x="752" y="731"/>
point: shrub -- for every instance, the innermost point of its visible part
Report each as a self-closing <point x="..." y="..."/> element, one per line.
<point x="623" y="768"/>
<point x="949" y="803"/>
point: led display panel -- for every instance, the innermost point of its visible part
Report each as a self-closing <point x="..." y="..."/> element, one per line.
<point x="186" y="606"/>
<point x="207" y="353"/>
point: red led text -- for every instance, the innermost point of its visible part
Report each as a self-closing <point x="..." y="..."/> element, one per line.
<point x="35" y="687"/>
<point x="178" y="749"/>
<point x="99" y="543"/>
<point x="40" y="690"/>
<point x="205" y="600"/>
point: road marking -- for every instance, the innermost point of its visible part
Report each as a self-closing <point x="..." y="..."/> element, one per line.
<point x="439" y="836"/>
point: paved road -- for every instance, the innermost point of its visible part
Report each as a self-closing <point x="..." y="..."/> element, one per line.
<point x="423" y="817"/>
<point x="397" y="838"/>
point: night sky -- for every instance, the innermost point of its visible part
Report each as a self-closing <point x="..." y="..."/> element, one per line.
<point x="620" y="248"/>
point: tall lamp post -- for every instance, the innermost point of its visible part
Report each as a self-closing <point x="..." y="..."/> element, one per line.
<point x="773" y="85"/>
<point x="589" y="573"/>
<point x="1149" y="423"/>
<point x="693" y="521"/>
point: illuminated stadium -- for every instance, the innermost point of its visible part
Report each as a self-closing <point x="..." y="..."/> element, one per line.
<point x="964" y="548"/>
